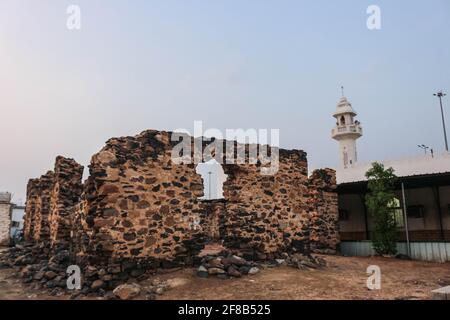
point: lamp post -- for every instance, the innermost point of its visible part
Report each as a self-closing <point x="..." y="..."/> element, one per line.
<point x="424" y="147"/>
<point x="209" y="185"/>
<point x="440" y="94"/>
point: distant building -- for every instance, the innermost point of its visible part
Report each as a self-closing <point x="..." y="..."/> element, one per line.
<point x="426" y="184"/>
<point x="422" y="209"/>
<point x="5" y="218"/>
<point x="11" y="219"/>
<point x="18" y="213"/>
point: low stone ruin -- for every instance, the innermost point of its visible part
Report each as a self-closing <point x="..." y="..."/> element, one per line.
<point x="139" y="211"/>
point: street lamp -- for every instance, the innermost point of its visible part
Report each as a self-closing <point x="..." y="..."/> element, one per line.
<point x="424" y="147"/>
<point x="440" y="94"/>
<point x="209" y="185"/>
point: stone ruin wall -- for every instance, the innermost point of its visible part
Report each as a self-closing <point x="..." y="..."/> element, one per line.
<point x="324" y="233"/>
<point x="30" y="208"/>
<point x="51" y="201"/>
<point x="41" y="227"/>
<point x="65" y="195"/>
<point x="138" y="206"/>
<point x="267" y="214"/>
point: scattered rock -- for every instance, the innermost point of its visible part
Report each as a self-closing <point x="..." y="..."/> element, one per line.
<point x="109" y="296"/>
<point x="223" y="276"/>
<point x="202" y="272"/>
<point x="90" y="271"/>
<point x="216" y="263"/>
<point x="232" y="271"/>
<point x="280" y="261"/>
<point x="97" y="284"/>
<point x="238" y="261"/>
<point x="244" y="269"/>
<point x="215" y="271"/>
<point x="38" y="275"/>
<point x="49" y="275"/>
<point x="75" y="295"/>
<point x="253" y="270"/>
<point x="305" y="262"/>
<point x="127" y="291"/>
<point x="159" y="290"/>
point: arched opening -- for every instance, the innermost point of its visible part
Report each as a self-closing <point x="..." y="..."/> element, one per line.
<point x="213" y="179"/>
<point x="342" y="121"/>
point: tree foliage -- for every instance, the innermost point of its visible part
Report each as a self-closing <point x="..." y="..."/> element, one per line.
<point x="381" y="195"/>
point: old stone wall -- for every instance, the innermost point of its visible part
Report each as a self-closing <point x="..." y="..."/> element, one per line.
<point x="137" y="204"/>
<point x="324" y="212"/>
<point x="51" y="202"/>
<point x="267" y="214"/>
<point x="139" y="208"/>
<point x="41" y="228"/>
<point x="65" y="196"/>
<point x="33" y="194"/>
<point x="213" y="220"/>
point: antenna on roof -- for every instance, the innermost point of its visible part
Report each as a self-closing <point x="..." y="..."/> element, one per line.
<point x="342" y="90"/>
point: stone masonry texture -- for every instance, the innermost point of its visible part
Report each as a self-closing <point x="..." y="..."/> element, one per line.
<point x="65" y="195"/>
<point x="30" y="208"/>
<point x="139" y="208"/>
<point x="41" y="227"/>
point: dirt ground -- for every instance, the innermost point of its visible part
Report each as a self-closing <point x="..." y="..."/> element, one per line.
<point x="343" y="278"/>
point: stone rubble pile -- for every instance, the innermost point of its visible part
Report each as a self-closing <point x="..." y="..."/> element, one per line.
<point x="303" y="262"/>
<point x="34" y="268"/>
<point x="226" y="267"/>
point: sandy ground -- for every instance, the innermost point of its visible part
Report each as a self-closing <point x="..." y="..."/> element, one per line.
<point x="344" y="278"/>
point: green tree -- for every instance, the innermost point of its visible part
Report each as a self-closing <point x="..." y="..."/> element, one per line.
<point x="379" y="201"/>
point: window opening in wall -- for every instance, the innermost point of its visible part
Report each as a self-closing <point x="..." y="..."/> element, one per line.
<point x="416" y="212"/>
<point x="213" y="179"/>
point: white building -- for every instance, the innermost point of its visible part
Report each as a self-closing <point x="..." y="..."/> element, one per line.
<point x="422" y="197"/>
<point x="5" y="218"/>
<point x="11" y="219"/>
<point x="17" y="216"/>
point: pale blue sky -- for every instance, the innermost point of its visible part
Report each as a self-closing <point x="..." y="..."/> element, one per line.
<point x="230" y="63"/>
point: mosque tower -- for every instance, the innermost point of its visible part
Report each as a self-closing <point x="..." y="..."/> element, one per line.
<point x="346" y="131"/>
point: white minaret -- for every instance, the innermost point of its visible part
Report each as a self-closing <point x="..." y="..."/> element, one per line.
<point x="347" y="131"/>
